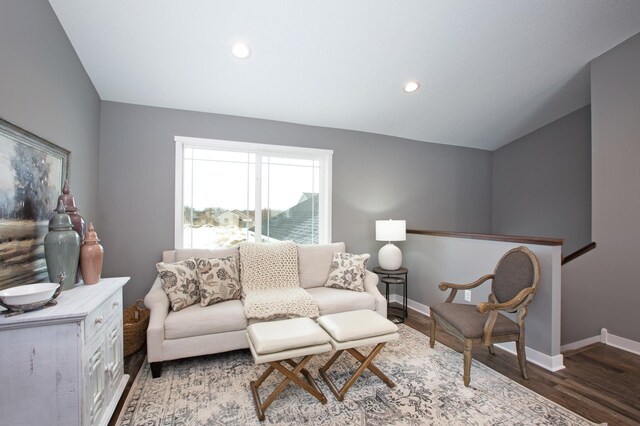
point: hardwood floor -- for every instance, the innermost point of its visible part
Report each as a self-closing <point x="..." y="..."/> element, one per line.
<point x="600" y="382"/>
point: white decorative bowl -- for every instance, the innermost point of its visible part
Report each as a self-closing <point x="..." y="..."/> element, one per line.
<point x="27" y="294"/>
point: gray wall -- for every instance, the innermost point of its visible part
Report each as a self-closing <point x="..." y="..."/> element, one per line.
<point x="44" y="89"/>
<point x="542" y="182"/>
<point x="602" y="288"/>
<point x="374" y="177"/>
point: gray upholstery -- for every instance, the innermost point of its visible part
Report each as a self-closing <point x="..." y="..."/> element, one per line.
<point x="470" y="322"/>
<point x="514" y="273"/>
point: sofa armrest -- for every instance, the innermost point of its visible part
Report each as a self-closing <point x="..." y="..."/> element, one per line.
<point x="158" y="303"/>
<point x="371" y="286"/>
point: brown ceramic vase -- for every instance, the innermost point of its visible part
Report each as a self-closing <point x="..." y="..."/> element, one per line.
<point x="91" y="255"/>
<point x="77" y="221"/>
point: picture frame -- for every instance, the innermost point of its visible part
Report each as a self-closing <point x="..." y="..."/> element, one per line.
<point x="32" y="174"/>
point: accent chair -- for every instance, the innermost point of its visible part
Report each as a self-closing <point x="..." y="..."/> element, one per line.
<point x="514" y="283"/>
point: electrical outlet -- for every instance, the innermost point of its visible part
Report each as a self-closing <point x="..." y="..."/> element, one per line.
<point x="467" y="295"/>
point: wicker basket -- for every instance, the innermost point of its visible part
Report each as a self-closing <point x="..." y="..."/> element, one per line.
<point x="136" y="320"/>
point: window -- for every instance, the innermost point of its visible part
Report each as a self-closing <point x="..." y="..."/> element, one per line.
<point x="228" y="192"/>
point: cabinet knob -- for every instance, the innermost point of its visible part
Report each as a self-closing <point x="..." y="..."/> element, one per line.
<point x="99" y="320"/>
<point x="109" y="368"/>
<point x="116" y="304"/>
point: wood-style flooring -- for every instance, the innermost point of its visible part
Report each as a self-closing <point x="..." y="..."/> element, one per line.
<point x="600" y="382"/>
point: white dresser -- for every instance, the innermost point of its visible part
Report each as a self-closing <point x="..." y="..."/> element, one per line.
<point x="63" y="365"/>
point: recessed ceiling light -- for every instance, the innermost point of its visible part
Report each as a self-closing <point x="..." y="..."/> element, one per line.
<point x="411" y="86"/>
<point x="241" y="51"/>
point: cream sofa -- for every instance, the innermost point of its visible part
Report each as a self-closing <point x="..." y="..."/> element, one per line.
<point x="221" y="327"/>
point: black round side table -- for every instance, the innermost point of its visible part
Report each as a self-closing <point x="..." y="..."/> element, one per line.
<point x="394" y="277"/>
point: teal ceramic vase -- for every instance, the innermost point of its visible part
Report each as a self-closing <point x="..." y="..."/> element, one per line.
<point x="62" y="248"/>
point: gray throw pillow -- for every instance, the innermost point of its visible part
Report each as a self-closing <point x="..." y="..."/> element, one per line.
<point x="218" y="280"/>
<point x="180" y="282"/>
<point x="347" y="271"/>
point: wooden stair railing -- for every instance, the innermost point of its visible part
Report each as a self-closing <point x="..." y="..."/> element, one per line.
<point x="579" y="252"/>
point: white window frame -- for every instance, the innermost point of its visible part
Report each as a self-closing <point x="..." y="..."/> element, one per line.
<point x="323" y="156"/>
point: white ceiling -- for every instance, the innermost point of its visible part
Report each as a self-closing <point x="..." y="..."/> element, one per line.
<point x="491" y="70"/>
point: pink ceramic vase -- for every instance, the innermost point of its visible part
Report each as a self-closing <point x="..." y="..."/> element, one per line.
<point x="91" y="255"/>
<point x="76" y="220"/>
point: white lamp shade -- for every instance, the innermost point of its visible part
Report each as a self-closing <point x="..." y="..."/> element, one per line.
<point x="391" y="230"/>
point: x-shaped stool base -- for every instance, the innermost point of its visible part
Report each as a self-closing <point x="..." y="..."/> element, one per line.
<point x="366" y="363"/>
<point x="290" y="376"/>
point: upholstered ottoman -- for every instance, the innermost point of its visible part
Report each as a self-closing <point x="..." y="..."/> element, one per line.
<point x="349" y="330"/>
<point x="281" y="341"/>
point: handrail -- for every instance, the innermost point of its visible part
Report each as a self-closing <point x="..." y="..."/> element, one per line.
<point x="491" y="237"/>
<point x="579" y="252"/>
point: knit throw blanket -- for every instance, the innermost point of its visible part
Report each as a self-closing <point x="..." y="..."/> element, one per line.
<point x="270" y="286"/>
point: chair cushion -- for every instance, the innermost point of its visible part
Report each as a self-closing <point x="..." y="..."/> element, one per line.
<point x="314" y="263"/>
<point x="334" y="300"/>
<point x="470" y="322"/>
<point x="514" y="273"/>
<point x="197" y="320"/>
<point x="277" y="336"/>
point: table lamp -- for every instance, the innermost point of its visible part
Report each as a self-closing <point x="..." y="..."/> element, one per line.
<point x="390" y="256"/>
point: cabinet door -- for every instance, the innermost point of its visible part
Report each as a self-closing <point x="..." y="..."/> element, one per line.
<point x="95" y="388"/>
<point x="114" y="354"/>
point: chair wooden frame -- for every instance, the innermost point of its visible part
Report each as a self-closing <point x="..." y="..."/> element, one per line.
<point x="290" y="376"/>
<point x="366" y="363"/>
<point x="518" y="304"/>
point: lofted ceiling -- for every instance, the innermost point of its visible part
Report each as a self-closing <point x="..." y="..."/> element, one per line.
<point x="490" y="71"/>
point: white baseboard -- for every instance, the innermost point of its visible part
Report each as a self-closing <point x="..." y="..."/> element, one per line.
<point x="580" y="343"/>
<point x="418" y="307"/>
<point x="551" y="363"/>
<point x="608" y="339"/>
<point x="619" y="342"/>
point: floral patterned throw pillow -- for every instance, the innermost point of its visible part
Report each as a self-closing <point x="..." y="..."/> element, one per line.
<point x="180" y="282"/>
<point x="218" y="280"/>
<point x="347" y="271"/>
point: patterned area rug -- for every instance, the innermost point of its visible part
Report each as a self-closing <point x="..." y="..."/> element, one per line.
<point x="214" y="390"/>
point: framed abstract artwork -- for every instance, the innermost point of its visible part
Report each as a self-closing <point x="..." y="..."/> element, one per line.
<point x="32" y="172"/>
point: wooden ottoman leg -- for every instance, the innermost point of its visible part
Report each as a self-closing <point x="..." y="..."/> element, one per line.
<point x="323" y="373"/>
<point x="290" y="376"/>
<point x="361" y="369"/>
<point x="366" y="363"/>
<point x="254" y="391"/>
<point x="357" y="355"/>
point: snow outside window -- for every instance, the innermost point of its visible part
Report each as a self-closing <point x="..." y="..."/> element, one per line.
<point x="228" y="192"/>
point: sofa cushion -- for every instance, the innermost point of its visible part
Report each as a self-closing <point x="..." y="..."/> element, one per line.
<point x="182" y="254"/>
<point x="334" y="300"/>
<point x="180" y="282"/>
<point x="218" y="280"/>
<point x="197" y="320"/>
<point x="314" y="263"/>
<point x="347" y="271"/>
